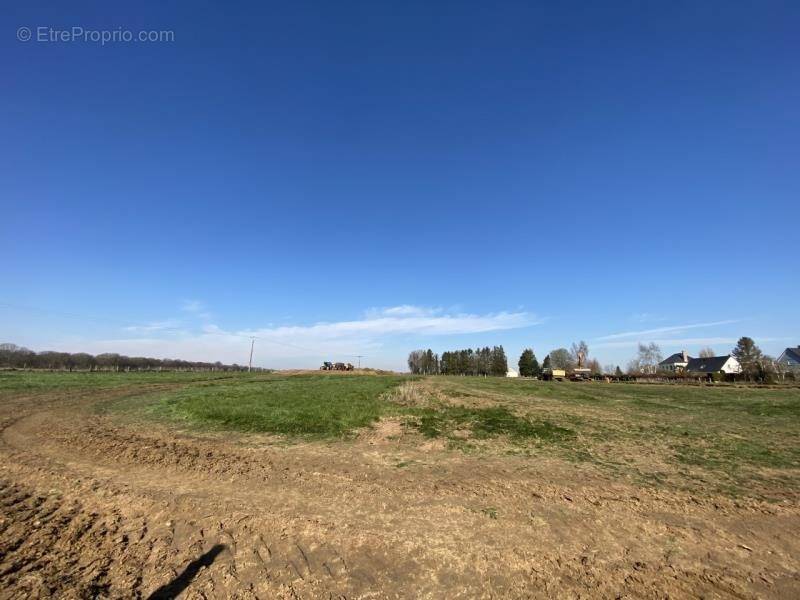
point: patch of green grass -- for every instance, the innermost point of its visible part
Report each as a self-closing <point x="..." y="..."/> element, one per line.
<point x="490" y="512"/>
<point x="484" y="423"/>
<point x="736" y="440"/>
<point x="328" y="406"/>
<point x="320" y="406"/>
<point x="649" y="397"/>
<point x="731" y="454"/>
<point x="42" y="381"/>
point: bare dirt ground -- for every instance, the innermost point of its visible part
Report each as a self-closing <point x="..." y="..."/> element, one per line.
<point x="92" y="506"/>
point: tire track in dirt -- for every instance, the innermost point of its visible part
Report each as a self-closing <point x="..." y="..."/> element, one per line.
<point x="91" y="507"/>
<point x="292" y="564"/>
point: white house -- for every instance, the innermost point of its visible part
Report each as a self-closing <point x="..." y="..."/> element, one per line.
<point x="713" y="364"/>
<point x="676" y="362"/>
<point x="511" y="373"/>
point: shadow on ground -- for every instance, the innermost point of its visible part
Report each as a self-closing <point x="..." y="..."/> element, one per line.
<point x="182" y="581"/>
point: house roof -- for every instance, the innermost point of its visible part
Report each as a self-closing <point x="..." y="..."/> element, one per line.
<point x="712" y="364"/>
<point x="793" y="353"/>
<point x="675" y="358"/>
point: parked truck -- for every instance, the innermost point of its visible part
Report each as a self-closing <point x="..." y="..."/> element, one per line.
<point x="554" y="374"/>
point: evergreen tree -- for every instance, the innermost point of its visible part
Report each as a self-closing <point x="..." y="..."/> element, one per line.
<point x="499" y="362"/>
<point x="446" y="364"/>
<point x="618" y="372"/>
<point x="536" y="370"/>
<point x="749" y="356"/>
<point x="429" y="362"/>
<point x="463" y="362"/>
<point x="546" y="365"/>
<point x="525" y="363"/>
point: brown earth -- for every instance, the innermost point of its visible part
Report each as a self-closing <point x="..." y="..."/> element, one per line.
<point x="92" y="506"/>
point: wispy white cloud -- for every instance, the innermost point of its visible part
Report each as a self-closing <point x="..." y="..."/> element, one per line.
<point x="170" y="324"/>
<point x="669" y="343"/>
<point x="685" y="343"/>
<point x="645" y="317"/>
<point x="192" y="306"/>
<point x="196" y="308"/>
<point x="304" y="345"/>
<point x="404" y="319"/>
<point x="403" y="310"/>
<point x="660" y="330"/>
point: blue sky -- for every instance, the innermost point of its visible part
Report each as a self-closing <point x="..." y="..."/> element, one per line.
<point x="369" y="178"/>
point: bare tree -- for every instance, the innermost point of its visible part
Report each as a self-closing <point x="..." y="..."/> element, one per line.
<point x="707" y="352"/>
<point x="780" y="368"/>
<point x="579" y="353"/>
<point x="647" y="359"/>
<point x="416" y="360"/>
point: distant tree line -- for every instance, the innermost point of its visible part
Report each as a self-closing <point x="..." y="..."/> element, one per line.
<point x="17" y="357"/>
<point x="493" y="361"/>
<point x="756" y="366"/>
<point x="480" y="361"/>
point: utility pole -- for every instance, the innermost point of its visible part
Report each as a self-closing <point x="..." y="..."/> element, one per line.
<point x="250" y="364"/>
<point x="359" y="357"/>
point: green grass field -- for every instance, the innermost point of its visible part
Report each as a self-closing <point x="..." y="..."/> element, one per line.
<point x="731" y="439"/>
<point x="299" y="405"/>
<point x="20" y="382"/>
<point x="728" y="438"/>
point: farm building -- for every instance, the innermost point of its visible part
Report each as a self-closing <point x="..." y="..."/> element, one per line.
<point x="790" y="358"/>
<point x="713" y="364"/>
<point x="676" y="362"/>
<point x="511" y="373"/>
